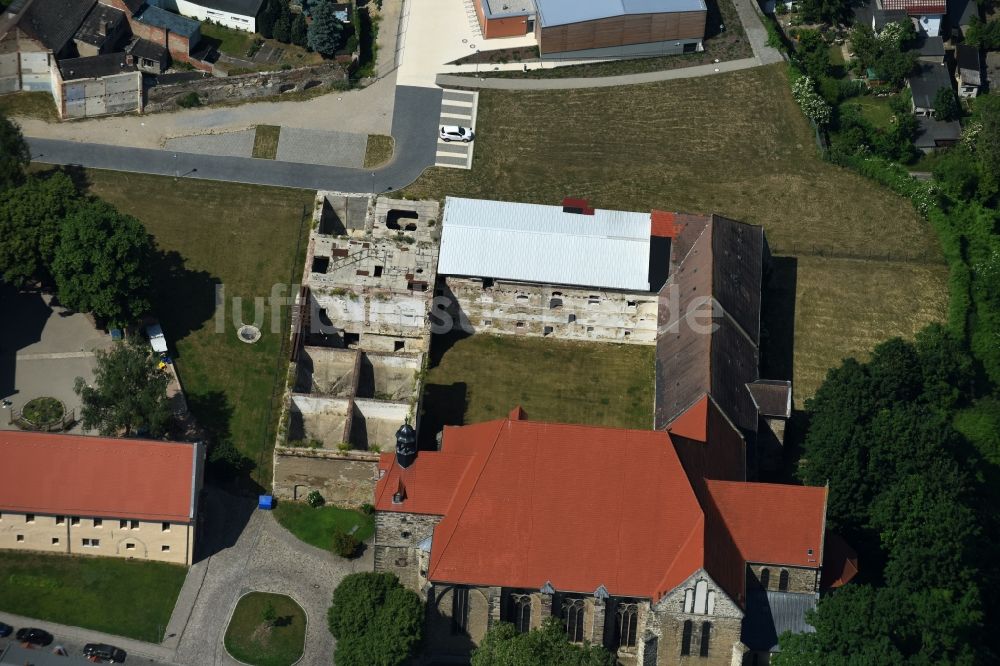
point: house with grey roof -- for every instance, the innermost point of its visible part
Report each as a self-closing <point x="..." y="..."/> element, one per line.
<point x="925" y="84"/>
<point x="933" y="134"/>
<point x="968" y="70"/>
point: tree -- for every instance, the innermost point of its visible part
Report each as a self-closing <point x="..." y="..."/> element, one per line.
<point x="376" y="621"/>
<point x="300" y="31"/>
<point x="985" y="35"/>
<point x="988" y="141"/>
<point x="101" y="264"/>
<point x="946" y="105"/>
<point x="268" y="15"/>
<point x="269" y="614"/>
<point x="14" y="153"/>
<point x="544" y="646"/>
<point x="283" y="28"/>
<point x="828" y="11"/>
<point x="326" y="32"/>
<point x="31" y="218"/>
<point x="129" y="393"/>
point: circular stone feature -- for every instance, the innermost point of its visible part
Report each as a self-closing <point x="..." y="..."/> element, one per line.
<point x="266" y="630"/>
<point x="41" y="413"/>
<point x="248" y="334"/>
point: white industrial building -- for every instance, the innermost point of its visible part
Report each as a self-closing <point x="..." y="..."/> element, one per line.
<point x="236" y="14"/>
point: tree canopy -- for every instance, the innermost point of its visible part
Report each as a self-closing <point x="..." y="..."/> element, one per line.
<point x="543" y="646"/>
<point x="101" y="264"/>
<point x="326" y="31"/>
<point x="31" y="217"/>
<point x="14" y="153"/>
<point x="376" y="621"/>
<point x="829" y="11"/>
<point x="882" y="434"/>
<point x="129" y="393"/>
<point x="886" y="53"/>
<point x="946" y="105"/>
<point x="985" y="35"/>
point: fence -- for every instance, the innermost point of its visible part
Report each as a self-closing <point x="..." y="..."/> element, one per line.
<point x="862" y="254"/>
<point x="65" y="422"/>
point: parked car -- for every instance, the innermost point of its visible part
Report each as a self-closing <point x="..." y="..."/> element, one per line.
<point x="456" y="133"/>
<point x="34" y="636"/>
<point x="105" y="652"/>
<point x="5" y="630"/>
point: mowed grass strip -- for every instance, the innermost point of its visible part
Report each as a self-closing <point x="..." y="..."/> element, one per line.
<point x="253" y="637"/>
<point x="379" y="150"/>
<point x="482" y="377"/>
<point x="317" y="526"/>
<point x="265" y="141"/>
<point x="242" y="238"/>
<point x="128" y="598"/>
<point x="29" y="105"/>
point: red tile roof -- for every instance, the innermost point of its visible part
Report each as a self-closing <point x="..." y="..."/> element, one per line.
<point x="916" y="7"/>
<point x="664" y="224"/>
<point x="773" y="523"/>
<point x="840" y="562"/>
<point x="97" y="476"/>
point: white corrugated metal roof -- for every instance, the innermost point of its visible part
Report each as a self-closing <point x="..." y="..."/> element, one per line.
<point x="563" y="12"/>
<point x="534" y="243"/>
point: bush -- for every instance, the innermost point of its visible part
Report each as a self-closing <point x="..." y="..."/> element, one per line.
<point x="189" y="100"/>
<point x="368" y="508"/>
<point x="345" y="545"/>
<point x="375" y="620"/>
<point x="315" y="499"/>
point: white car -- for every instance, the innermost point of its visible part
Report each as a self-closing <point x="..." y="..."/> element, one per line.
<point x="456" y="133"/>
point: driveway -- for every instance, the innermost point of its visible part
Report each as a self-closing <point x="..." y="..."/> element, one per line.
<point x="264" y="558"/>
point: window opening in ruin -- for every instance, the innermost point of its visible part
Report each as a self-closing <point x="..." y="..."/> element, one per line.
<point x="686" y="638"/>
<point x="628" y="620"/>
<point x="573" y="614"/>
<point x="459" y="610"/>
<point x="706" y="631"/>
<point x="522" y="612"/>
<point x="378" y="271"/>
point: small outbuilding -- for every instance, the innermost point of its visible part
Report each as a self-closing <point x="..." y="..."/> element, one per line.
<point x="968" y="70"/>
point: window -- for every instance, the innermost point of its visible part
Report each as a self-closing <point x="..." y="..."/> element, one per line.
<point x="700" y="597"/>
<point x="521" y="604"/>
<point x="487" y="322"/>
<point x="95" y="542"/>
<point x="20" y="538"/>
<point x="711" y="602"/>
<point x="571" y="318"/>
<point x="765" y="577"/>
<point x="521" y="297"/>
<point x="134" y="525"/>
<point x="74" y="520"/>
<point x="164" y="549"/>
<point x="130" y="546"/>
<point x="706" y="633"/>
<point x="631" y="304"/>
<point x="459" y="610"/>
<point x="55" y="541"/>
<point x="593" y="300"/>
<point x="686" y="639"/>
<point x="573" y="615"/>
<point x="627" y="621"/>
<point x="85" y="542"/>
<point x="378" y="271"/>
<point x="689" y="600"/>
<point x="123" y="524"/>
<point x="547" y="330"/>
<point x="783" y="581"/>
<point x="98" y="522"/>
<point x="555" y="303"/>
<point x="520" y="324"/>
<point x="29" y="517"/>
<point x="487" y="283"/>
<point x="60" y="520"/>
<point x="165" y="527"/>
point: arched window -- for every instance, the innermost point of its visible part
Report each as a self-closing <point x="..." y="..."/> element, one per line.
<point x="783" y="581"/>
<point x="573" y="614"/>
<point x="711" y="602"/>
<point x="522" y="612"/>
<point x="689" y="600"/>
<point x="628" y="621"/>
<point x="686" y="638"/>
<point x="706" y="636"/>
<point x="700" y="596"/>
<point x="459" y="610"/>
<point x="765" y="577"/>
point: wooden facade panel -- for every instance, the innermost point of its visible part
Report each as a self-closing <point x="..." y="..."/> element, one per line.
<point x="623" y="31"/>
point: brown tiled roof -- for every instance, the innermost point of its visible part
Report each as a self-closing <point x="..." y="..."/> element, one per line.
<point x="772" y="397"/>
<point x="709" y="320"/>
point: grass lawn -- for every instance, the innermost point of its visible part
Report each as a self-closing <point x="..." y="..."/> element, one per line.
<point x="379" y="150"/>
<point x="29" y="104"/>
<point x="735" y="144"/>
<point x="265" y="141"/>
<point x="482" y="377"/>
<point x="316" y="526"/>
<point x="244" y="238"/>
<point x="255" y="640"/>
<point x="98" y="593"/>
<point x="235" y="43"/>
<point x="875" y="110"/>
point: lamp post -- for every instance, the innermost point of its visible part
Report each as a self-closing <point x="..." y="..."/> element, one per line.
<point x="477" y="62"/>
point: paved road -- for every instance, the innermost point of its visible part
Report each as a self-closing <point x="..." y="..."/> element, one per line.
<point x="414" y="126"/>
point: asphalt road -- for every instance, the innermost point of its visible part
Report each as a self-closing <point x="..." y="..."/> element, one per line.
<point x="414" y="127"/>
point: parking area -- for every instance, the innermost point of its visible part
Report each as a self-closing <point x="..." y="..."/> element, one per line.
<point x="44" y="353"/>
<point x="458" y="107"/>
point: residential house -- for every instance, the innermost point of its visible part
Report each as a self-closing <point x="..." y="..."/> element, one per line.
<point x="925" y="84"/>
<point x="236" y="14"/>
<point x="929" y="49"/>
<point x="148" y="56"/>
<point x="927" y="14"/>
<point x="566" y="29"/>
<point x="968" y="70"/>
<point x="933" y="134"/>
<point x="102" y="31"/>
<point x="649" y="543"/>
<point x="82" y="495"/>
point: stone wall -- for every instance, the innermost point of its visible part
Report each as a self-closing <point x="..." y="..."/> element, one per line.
<point x="345" y="479"/>
<point x="397" y="545"/>
<point x="495" y="306"/>
<point x="244" y="87"/>
<point x="800" y="579"/>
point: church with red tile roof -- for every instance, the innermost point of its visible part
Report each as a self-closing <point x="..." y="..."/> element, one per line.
<point x="651" y="543"/>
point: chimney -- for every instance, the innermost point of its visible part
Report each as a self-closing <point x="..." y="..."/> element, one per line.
<point x="406" y="445"/>
<point x="576" y="206"/>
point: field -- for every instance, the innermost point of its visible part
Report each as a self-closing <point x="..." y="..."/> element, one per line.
<point x="96" y="593"/>
<point x="316" y="526"/>
<point x="242" y="238"/>
<point x="482" y="377"/>
<point x="266" y="630"/>
<point x="29" y="105"/>
<point x="735" y="144"/>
